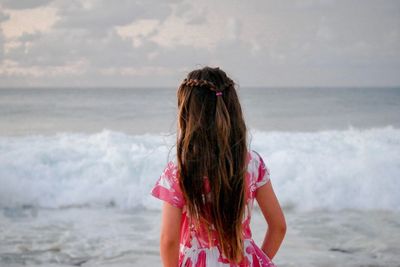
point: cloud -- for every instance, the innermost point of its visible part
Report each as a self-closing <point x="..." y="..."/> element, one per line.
<point x="136" y="43"/>
<point x="3" y="16"/>
<point x="138" y="30"/>
<point x="79" y="33"/>
<point x="102" y="15"/>
<point x="28" y="21"/>
<point x="26" y="4"/>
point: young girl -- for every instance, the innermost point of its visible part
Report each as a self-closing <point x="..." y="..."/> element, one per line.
<point x="208" y="192"/>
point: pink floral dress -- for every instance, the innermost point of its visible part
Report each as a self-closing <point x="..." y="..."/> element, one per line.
<point x="195" y="248"/>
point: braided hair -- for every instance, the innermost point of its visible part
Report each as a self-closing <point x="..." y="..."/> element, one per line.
<point x="205" y="83"/>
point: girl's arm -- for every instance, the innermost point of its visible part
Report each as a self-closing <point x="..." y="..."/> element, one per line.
<point x="273" y="214"/>
<point x="170" y="235"/>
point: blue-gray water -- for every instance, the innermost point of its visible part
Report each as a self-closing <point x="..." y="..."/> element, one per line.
<point x="142" y="110"/>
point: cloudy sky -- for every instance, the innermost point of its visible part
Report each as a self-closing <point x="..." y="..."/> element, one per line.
<point x="155" y="43"/>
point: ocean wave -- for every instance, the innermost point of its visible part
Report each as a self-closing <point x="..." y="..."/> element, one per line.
<point x="347" y="169"/>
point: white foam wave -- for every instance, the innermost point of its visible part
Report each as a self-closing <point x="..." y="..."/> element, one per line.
<point x="353" y="168"/>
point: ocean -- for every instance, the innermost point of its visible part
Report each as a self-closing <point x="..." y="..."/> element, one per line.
<point x="77" y="165"/>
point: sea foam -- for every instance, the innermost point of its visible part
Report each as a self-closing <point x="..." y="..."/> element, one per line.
<point x="348" y="169"/>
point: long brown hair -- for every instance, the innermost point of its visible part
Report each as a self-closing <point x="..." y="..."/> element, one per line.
<point x="212" y="143"/>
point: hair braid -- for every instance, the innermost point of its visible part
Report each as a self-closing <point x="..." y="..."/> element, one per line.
<point x="205" y="83"/>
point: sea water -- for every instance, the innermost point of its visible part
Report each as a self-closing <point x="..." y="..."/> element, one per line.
<point x="77" y="165"/>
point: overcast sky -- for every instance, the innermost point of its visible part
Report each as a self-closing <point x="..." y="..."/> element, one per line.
<point x="155" y="43"/>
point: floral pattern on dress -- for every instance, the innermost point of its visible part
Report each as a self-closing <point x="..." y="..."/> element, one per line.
<point x="196" y="249"/>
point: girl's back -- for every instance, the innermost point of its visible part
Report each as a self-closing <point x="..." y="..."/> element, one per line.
<point x="197" y="248"/>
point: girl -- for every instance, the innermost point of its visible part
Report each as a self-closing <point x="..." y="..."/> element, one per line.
<point x="208" y="192"/>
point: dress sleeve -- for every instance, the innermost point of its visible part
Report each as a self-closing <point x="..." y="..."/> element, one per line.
<point x="263" y="173"/>
<point x="167" y="187"/>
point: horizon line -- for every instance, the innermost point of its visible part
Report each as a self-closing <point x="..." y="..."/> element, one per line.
<point x="238" y="87"/>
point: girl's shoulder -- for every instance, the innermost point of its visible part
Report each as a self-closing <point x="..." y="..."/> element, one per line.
<point x="256" y="164"/>
<point x="167" y="187"/>
<point x="254" y="159"/>
<point x="257" y="168"/>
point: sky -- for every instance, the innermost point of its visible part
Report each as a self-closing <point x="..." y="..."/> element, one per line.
<point x="127" y="43"/>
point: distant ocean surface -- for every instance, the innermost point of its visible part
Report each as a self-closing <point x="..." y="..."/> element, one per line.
<point x="153" y="110"/>
<point x="333" y="154"/>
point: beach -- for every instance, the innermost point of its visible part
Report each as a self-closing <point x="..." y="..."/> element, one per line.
<point x="82" y="236"/>
<point x="77" y="167"/>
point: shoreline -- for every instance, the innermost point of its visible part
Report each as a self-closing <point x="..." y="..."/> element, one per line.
<point x="116" y="237"/>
